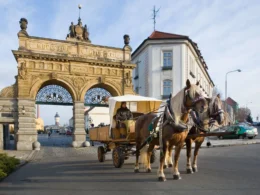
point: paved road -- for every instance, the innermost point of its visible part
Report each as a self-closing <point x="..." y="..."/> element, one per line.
<point x="62" y="170"/>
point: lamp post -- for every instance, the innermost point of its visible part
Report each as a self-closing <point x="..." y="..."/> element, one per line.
<point x="238" y="70"/>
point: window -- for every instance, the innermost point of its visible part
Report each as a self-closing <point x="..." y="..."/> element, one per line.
<point x="167" y="59"/>
<point x="167" y="87"/>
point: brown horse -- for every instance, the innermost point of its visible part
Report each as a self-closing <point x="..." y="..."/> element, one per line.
<point x="181" y="104"/>
<point x="212" y="118"/>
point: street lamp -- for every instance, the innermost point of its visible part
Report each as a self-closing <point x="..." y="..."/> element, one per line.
<point x="238" y="70"/>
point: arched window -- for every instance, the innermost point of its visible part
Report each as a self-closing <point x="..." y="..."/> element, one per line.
<point x="167" y="87"/>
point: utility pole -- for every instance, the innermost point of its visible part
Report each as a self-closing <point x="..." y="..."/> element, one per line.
<point x="154" y="16"/>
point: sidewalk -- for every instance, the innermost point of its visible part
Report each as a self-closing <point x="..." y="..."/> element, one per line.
<point x="229" y="142"/>
<point x="23" y="156"/>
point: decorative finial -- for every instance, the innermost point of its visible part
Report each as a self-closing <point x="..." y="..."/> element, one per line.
<point x="154" y="16"/>
<point x="126" y="39"/>
<point x="79" y="6"/>
<point x="23" y="25"/>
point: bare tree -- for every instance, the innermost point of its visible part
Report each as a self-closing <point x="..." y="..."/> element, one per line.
<point x="242" y="114"/>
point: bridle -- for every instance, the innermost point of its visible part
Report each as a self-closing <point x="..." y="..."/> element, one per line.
<point x="212" y="118"/>
<point x="217" y="112"/>
<point x="193" y="100"/>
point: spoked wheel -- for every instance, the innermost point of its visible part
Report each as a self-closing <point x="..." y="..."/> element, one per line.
<point x="118" y="157"/>
<point x="101" y="154"/>
<point x="153" y="157"/>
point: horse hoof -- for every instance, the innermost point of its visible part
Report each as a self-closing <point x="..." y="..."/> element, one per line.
<point x="195" y="169"/>
<point x="170" y="165"/>
<point x="176" y="177"/>
<point x="136" y="170"/>
<point x="161" y="179"/>
<point x="165" y="166"/>
<point x="148" y="170"/>
<point x="189" y="171"/>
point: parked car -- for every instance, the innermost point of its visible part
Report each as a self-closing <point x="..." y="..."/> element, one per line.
<point x="242" y="131"/>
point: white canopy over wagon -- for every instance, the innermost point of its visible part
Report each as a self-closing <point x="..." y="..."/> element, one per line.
<point x="135" y="103"/>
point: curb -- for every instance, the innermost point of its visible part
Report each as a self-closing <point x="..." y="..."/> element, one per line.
<point x="227" y="145"/>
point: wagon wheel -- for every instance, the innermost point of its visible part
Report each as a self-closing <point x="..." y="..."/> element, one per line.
<point x="101" y="154"/>
<point x="153" y="157"/>
<point x="118" y="157"/>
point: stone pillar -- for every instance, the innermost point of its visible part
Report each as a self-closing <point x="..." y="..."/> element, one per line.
<point x="27" y="134"/>
<point x="1" y="137"/>
<point x="79" y="134"/>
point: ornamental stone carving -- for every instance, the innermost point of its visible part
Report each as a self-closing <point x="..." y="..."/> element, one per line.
<point x="54" y="75"/>
<point x="128" y="80"/>
<point x="23" y="71"/>
<point x="23" y="25"/>
<point x="78" y="82"/>
<point x="78" y="32"/>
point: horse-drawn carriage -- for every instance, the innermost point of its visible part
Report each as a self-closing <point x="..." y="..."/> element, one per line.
<point x="187" y="117"/>
<point x="122" y="139"/>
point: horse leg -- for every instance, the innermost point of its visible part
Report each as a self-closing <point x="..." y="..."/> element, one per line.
<point x="188" y="154"/>
<point x="149" y="154"/>
<point x="196" y="151"/>
<point x="161" y="176"/>
<point x="165" y="166"/>
<point x="137" y="154"/>
<point x="169" y="160"/>
<point x="176" y="173"/>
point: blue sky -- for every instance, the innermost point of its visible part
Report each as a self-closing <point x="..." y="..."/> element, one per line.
<point x="227" y="32"/>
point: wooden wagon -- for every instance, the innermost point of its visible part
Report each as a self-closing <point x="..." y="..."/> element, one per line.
<point x="122" y="140"/>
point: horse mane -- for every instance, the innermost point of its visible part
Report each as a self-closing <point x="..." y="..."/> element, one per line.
<point x="193" y="90"/>
<point x="213" y="100"/>
<point x="178" y="99"/>
<point x="211" y="104"/>
<point x="177" y="105"/>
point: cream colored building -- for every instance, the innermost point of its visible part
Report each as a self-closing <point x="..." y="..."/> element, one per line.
<point x="165" y="61"/>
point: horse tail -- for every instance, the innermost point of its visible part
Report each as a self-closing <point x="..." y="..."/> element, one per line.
<point x="143" y="156"/>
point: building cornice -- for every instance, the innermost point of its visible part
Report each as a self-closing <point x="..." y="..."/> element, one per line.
<point x="40" y="56"/>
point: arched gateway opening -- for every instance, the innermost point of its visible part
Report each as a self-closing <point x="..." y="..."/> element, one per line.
<point x="55" y="124"/>
<point x="74" y="64"/>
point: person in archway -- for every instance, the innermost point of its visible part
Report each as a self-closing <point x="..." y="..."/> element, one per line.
<point x="123" y="118"/>
<point x="49" y="134"/>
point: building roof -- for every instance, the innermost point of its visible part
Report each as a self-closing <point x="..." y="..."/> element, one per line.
<point x="57" y="115"/>
<point x="164" y="35"/>
<point x="158" y="35"/>
<point x="231" y="102"/>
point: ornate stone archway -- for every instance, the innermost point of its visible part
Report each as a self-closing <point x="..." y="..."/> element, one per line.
<point x="74" y="64"/>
